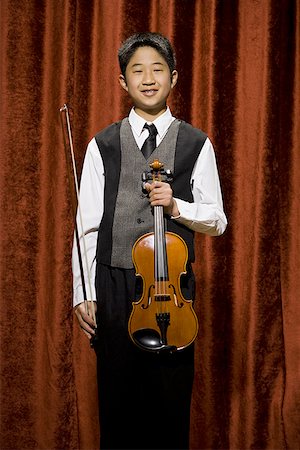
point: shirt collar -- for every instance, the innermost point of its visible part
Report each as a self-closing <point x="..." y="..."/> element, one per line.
<point x="162" y="123"/>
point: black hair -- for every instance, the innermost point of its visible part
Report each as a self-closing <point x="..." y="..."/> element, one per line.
<point x="148" y="39"/>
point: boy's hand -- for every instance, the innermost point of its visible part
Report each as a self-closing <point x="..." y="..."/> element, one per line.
<point x="161" y="194"/>
<point x="85" y="320"/>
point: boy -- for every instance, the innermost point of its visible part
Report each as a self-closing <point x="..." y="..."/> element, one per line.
<point x="144" y="397"/>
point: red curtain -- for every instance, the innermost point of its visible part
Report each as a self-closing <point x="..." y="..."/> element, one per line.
<point x="238" y="63"/>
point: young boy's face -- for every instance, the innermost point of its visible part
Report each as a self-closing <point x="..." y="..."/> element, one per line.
<point x="148" y="81"/>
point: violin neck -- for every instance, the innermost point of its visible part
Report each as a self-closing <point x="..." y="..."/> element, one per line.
<point x="160" y="252"/>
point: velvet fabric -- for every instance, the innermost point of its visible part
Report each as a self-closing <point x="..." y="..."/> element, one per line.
<point x="238" y="63"/>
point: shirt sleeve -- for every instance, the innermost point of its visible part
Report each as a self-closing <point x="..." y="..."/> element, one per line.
<point x="89" y="215"/>
<point x="205" y="214"/>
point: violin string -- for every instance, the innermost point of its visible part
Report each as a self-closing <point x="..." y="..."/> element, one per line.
<point x="160" y="254"/>
<point x="157" y="260"/>
<point x="161" y="262"/>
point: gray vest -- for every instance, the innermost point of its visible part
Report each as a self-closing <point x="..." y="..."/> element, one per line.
<point x="189" y="143"/>
<point x="133" y="215"/>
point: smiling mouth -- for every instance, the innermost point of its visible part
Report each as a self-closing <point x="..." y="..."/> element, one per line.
<point x="149" y="92"/>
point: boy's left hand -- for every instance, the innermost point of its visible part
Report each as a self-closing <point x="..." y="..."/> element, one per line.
<point x="161" y="194"/>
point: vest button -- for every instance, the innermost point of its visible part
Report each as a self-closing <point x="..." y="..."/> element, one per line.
<point x="139" y="220"/>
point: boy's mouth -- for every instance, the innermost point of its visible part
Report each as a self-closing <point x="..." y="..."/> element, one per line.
<point x="149" y="92"/>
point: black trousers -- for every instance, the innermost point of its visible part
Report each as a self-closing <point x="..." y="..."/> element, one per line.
<point x="144" y="397"/>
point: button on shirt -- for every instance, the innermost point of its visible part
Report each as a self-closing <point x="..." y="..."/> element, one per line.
<point x="204" y="215"/>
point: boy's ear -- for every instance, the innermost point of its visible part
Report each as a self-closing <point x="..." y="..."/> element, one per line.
<point x="174" y="78"/>
<point x="122" y="82"/>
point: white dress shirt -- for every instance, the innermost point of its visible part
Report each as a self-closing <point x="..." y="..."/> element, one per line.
<point x="205" y="214"/>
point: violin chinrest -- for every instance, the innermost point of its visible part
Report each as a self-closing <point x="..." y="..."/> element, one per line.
<point x="149" y="339"/>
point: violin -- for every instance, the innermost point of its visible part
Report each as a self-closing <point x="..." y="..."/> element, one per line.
<point x="162" y="319"/>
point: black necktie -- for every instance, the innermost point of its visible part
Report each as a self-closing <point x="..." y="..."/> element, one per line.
<point x="150" y="143"/>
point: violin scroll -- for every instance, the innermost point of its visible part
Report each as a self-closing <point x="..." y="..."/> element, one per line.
<point x="157" y="173"/>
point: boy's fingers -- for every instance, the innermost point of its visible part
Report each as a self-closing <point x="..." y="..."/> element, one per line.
<point x="86" y="322"/>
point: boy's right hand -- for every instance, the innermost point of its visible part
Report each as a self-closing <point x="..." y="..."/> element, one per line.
<point x="85" y="319"/>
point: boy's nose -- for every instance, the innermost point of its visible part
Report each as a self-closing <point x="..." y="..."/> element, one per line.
<point x="148" y="83"/>
<point x="148" y="78"/>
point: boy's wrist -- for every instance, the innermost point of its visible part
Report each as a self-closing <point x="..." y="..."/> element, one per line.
<point x="174" y="211"/>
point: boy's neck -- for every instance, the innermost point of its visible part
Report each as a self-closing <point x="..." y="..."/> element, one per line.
<point x="150" y="116"/>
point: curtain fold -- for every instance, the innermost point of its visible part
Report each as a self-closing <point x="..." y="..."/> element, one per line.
<point x="238" y="64"/>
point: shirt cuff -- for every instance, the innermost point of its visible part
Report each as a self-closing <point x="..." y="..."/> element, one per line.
<point x="205" y="218"/>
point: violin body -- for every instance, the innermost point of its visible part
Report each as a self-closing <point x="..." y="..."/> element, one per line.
<point x="162" y="318"/>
